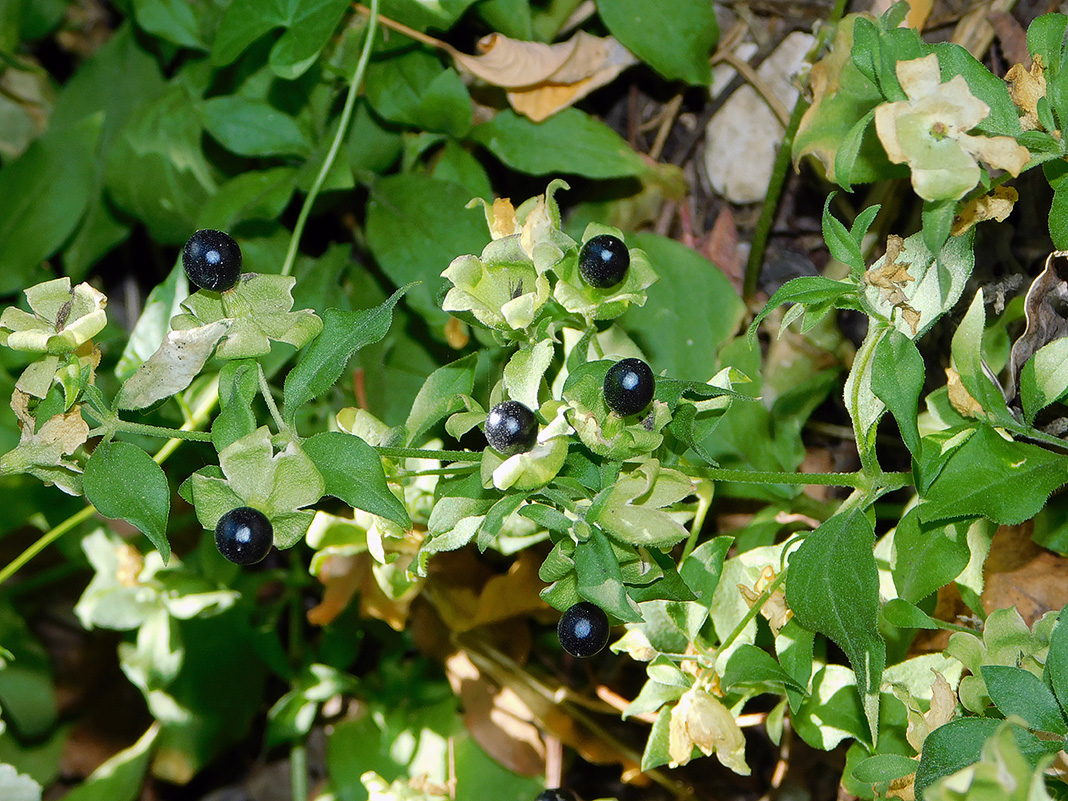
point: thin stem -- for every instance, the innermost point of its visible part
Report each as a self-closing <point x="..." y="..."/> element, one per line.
<point x="857" y="479"/>
<point x="754" y="610"/>
<point x="44" y="541"/>
<point x="771" y="202"/>
<point x="335" y="146"/>
<point x="422" y="453"/>
<point x="268" y="397"/>
<point x="160" y="431"/>
<point x="200" y="415"/>
<point x="298" y="772"/>
<point x="441" y="471"/>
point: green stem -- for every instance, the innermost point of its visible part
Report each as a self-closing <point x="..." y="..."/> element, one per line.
<point x="858" y="479"/>
<point x="335" y="146"/>
<point x="422" y="453"/>
<point x="441" y="471"/>
<point x="753" y="612"/>
<point x="778" y="178"/>
<point x="160" y="431"/>
<point x="268" y="398"/>
<point x="298" y="772"/>
<point x="44" y="541"/>
<point x="771" y="202"/>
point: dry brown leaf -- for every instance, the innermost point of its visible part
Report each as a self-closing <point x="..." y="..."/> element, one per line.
<point x="721" y="248"/>
<point x="543" y="79"/>
<point x="1026" y="88"/>
<point x="497" y="718"/>
<point x="903" y="788"/>
<point x="1019" y="573"/>
<point x="995" y="206"/>
<point x="891" y="278"/>
<point x="701" y="719"/>
<point x="959" y="397"/>
<point x="344" y="576"/>
<point x="774" y="609"/>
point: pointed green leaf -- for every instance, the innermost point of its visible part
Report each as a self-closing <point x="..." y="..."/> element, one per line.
<point x="897" y="380"/>
<point x="353" y="472"/>
<point x="122" y="481"/>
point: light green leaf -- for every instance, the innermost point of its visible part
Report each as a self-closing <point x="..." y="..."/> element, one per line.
<point x="14" y="786"/>
<point x="1020" y="692"/>
<point x="600" y="580"/>
<point x="440" y="396"/>
<point x="897" y="380"/>
<point x="968" y="359"/>
<point x="524" y="372"/>
<point x="172" y="368"/>
<point x="144" y="502"/>
<point x="163" y="302"/>
<point x="1044" y="379"/>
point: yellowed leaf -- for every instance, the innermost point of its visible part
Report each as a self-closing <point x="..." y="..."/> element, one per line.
<point x="701" y="719"/>
<point x="1026" y="88"/>
<point x="959" y="397"/>
<point x="903" y="788"/>
<point x="995" y="206"/>
<point x="543" y="79"/>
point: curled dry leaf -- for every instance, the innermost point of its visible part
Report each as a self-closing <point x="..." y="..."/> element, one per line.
<point x="995" y="206"/>
<point x="1026" y="88"/>
<point x="542" y="79"/>
<point x="891" y="278"/>
<point x="774" y="610"/>
<point x="1042" y="308"/>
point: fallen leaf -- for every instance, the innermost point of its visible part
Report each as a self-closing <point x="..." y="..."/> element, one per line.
<point x="543" y="79"/>
<point x="1021" y="574"/>
<point x="1043" y="307"/>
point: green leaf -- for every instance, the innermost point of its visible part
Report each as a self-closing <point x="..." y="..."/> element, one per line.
<point x="569" y="142"/>
<point x="832" y="711"/>
<point x="749" y="666"/>
<point x="510" y="17"/>
<point x="599" y="578"/>
<point x="656" y="747"/>
<point x="833" y="588"/>
<point x="968" y="359"/>
<point x="701" y="571"/>
<point x="120" y="778"/>
<point x="959" y="744"/>
<point x="1005" y="481"/>
<point x="164" y="301"/>
<point x="157" y="170"/>
<point x="46" y="192"/>
<point x="172" y="20"/>
<point x="308" y="24"/>
<point x="674" y="39"/>
<point x="1055" y="671"/>
<point x="238" y="385"/>
<point x="524" y="372"/>
<point x="421" y="15"/>
<point x="252" y="127"/>
<point x="690" y="312"/>
<point x="1004" y="117"/>
<point x="937" y="220"/>
<point x="883" y="768"/>
<point x="440" y="396"/>
<point x="353" y="472"/>
<point x="415" y="227"/>
<point x="938" y="281"/>
<point x="172" y="368"/>
<point x="1044" y="378"/>
<point x="411" y="88"/>
<point x="840" y="242"/>
<point x="1016" y="691"/>
<point x="899" y="612"/>
<point x="927" y="557"/>
<point x="808" y="290"/>
<point x="122" y="481"/>
<point x="343" y="334"/>
<point x="897" y="380"/>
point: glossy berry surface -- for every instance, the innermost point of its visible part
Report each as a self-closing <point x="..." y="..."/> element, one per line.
<point x="244" y="535"/>
<point x="556" y="794"/>
<point x="628" y="386"/>
<point x="511" y="428"/>
<point x="603" y="261"/>
<point x="583" y="629"/>
<point x="212" y="260"/>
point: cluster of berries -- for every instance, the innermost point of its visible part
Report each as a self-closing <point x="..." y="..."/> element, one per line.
<point x="212" y="261"/>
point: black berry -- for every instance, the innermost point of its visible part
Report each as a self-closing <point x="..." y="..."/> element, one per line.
<point x="556" y="794"/>
<point x="603" y="261"/>
<point x="244" y="535"/>
<point x="212" y="260"/>
<point x="583" y="629"/>
<point x="628" y="386"/>
<point x="511" y="428"/>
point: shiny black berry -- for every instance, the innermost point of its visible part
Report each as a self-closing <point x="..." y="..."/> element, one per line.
<point x="583" y="629"/>
<point x="212" y="260"/>
<point x="244" y="535"/>
<point x="628" y="386"/>
<point x="603" y="261"/>
<point x="556" y="794"/>
<point x="511" y="428"/>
